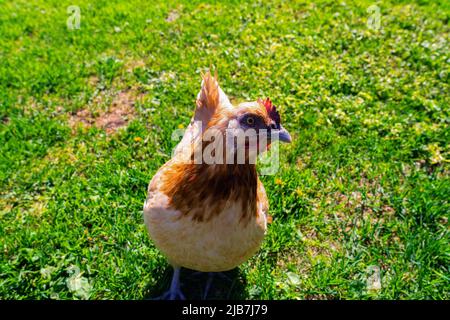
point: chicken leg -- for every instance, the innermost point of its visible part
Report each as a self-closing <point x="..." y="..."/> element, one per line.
<point x="174" y="292"/>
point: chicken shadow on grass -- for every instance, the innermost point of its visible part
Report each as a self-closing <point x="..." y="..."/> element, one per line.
<point x="225" y="285"/>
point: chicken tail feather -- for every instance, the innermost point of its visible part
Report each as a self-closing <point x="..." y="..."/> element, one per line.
<point x="208" y="98"/>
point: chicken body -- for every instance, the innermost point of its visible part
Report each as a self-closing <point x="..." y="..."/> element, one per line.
<point x="220" y="243"/>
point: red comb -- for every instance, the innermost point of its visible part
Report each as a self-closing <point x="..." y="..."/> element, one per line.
<point x="266" y="103"/>
<point x="271" y="109"/>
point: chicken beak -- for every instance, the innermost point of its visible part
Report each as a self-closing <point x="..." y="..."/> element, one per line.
<point x="284" y="136"/>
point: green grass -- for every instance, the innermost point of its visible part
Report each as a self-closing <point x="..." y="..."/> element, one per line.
<point x="365" y="182"/>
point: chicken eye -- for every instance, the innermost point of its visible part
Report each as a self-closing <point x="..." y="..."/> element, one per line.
<point x="250" y="121"/>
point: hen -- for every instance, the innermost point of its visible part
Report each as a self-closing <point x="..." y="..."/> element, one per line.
<point x="210" y="215"/>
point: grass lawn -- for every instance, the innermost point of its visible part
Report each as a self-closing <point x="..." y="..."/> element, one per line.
<point x="86" y="118"/>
